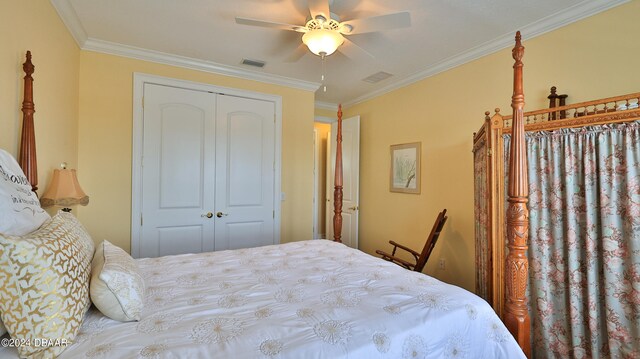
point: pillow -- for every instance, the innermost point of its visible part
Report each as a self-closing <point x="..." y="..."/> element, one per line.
<point x="44" y="284"/>
<point x="117" y="288"/>
<point x="19" y="206"/>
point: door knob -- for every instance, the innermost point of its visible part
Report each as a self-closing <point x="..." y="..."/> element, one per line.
<point x="208" y="215"/>
<point x="220" y="214"/>
<point x="354" y="208"/>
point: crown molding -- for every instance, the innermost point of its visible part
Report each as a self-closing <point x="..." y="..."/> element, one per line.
<point x="572" y="14"/>
<point x="70" y="20"/>
<point x="194" y="64"/>
<point x="326" y="106"/>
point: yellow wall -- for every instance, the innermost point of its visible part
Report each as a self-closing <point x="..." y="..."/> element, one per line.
<point x="326" y="113"/>
<point x="105" y="138"/>
<point x="594" y="58"/>
<point x="35" y="26"/>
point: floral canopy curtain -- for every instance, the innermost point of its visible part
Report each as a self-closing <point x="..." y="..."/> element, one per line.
<point x="584" y="251"/>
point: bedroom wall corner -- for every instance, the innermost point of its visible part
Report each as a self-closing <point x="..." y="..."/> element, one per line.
<point x="35" y="26"/>
<point x="105" y="143"/>
<point x="589" y="59"/>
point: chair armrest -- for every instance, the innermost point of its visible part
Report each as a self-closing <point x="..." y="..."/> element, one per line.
<point x="415" y="254"/>
<point x="400" y="261"/>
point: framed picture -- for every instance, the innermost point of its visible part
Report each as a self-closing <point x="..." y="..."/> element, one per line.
<point x="405" y="168"/>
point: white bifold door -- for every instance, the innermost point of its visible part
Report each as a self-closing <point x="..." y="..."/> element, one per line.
<point x="207" y="172"/>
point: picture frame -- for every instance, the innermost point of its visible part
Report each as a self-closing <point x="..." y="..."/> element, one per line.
<point x="404" y="176"/>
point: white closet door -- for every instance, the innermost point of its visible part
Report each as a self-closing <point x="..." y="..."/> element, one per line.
<point x="178" y="170"/>
<point x="245" y="155"/>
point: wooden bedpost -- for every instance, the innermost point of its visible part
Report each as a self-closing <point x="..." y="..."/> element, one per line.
<point x="337" y="191"/>
<point x="517" y="266"/>
<point x="27" y="153"/>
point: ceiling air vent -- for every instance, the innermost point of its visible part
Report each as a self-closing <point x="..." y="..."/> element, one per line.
<point x="254" y="63"/>
<point x="377" y="77"/>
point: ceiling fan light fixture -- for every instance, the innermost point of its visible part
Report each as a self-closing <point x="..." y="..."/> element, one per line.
<point x="322" y="42"/>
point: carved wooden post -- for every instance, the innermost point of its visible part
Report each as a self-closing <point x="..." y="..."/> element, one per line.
<point x="517" y="265"/>
<point x="553" y="96"/>
<point x="337" y="192"/>
<point x="27" y="153"/>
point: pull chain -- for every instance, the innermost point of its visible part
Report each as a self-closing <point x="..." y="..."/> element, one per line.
<point x="324" y="86"/>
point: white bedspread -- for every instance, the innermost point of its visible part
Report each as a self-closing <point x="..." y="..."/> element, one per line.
<point x="311" y="299"/>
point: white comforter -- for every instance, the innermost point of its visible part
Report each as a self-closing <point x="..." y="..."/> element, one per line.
<point x="312" y="299"/>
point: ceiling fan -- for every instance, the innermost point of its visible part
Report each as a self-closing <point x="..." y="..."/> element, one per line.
<point x="324" y="32"/>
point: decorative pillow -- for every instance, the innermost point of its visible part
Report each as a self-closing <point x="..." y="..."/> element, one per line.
<point x="19" y="207"/>
<point x="44" y="285"/>
<point x="117" y="288"/>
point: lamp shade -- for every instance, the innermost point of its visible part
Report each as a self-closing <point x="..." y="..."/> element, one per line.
<point x="64" y="190"/>
<point x="322" y="41"/>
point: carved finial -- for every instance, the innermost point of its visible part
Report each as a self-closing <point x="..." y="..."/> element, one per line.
<point x="486" y="115"/>
<point x="340" y="110"/>
<point x="518" y="50"/>
<point x="553" y="90"/>
<point x="28" y="66"/>
<point x="497" y="110"/>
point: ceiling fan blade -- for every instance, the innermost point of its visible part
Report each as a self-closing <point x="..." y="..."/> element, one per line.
<point x="269" y="24"/>
<point x="355" y="52"/>
<point x="300" y="51"/>
<point x="377" y="23"/>
<point x="319" y="7"/>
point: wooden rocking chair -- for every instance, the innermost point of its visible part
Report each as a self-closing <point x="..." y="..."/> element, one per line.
<point x="420" y="258"/>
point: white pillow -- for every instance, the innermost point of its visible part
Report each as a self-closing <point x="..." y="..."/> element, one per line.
<point x="117" y="288"/>
<point x="19" y="207"/>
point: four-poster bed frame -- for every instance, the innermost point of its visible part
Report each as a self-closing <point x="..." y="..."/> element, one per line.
<point x="355" y="332"/>
<point x="516" y="314"/>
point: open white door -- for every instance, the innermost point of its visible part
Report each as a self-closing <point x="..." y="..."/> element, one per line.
<point x="351" y="179"/>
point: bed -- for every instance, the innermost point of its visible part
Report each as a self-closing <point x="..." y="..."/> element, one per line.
<point x="307" y="299"/>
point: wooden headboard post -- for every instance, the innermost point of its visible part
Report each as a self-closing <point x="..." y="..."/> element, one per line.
<point x="517" y="266"/>
<point x="27" y="153"/>
<point x="337" y="191"/>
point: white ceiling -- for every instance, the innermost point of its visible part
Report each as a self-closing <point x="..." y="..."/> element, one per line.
<point x="202" y="34"/>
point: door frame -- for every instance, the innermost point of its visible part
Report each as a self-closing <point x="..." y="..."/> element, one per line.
<point x="327" y="120"/>
<point x="139" y="80"/>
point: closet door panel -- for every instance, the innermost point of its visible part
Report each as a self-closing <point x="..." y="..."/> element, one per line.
<point x="178" y="171"/>
<point x="245" y="173"/>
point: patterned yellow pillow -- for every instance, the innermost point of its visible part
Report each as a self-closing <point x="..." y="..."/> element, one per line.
<point x="44" y="285"/>
<point x="117" y="288"/>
